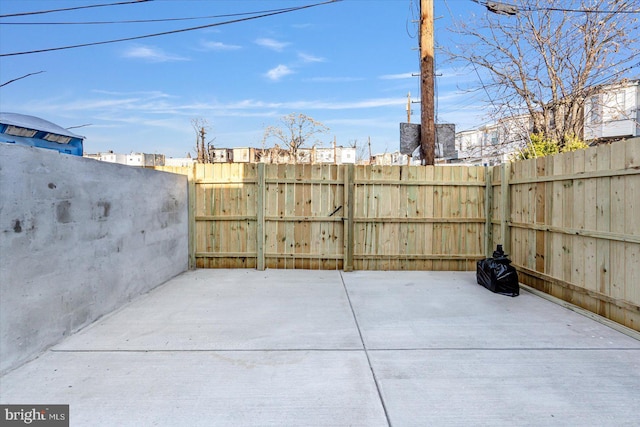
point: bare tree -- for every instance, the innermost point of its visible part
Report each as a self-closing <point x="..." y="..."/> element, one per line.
<point x="361" y="150"/>
<point x="547" y="56"/>
<point x="296" y="130"/>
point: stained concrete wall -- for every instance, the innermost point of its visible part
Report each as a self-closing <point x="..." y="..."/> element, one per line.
<point x="78" y="238"/>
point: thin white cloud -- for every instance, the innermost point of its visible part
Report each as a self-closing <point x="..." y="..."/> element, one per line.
<point x="279" y="72"/>
<point x="151" y="54"/>
<point x="98" y="104"/>
<point x="396" y="76"/>
<point x="156" y="109"/>
<point x="272" y="44"/>
<point x="376" y="122"/>
<point x="218" y="46"/>
<point x="334" y="79"/>
<point x="148" y="94"/>
<point x="310" y="58"/>
<point x="316" y="104"/>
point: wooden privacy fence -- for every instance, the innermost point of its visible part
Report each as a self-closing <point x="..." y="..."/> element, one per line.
<point x="570" y="222"/>
<point x="336" y="216"/>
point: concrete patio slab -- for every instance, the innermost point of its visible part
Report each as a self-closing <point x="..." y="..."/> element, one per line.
<point x="424" y="310"/>
<point x="231" y="310"/>
<point x="510" y="388"/>
<point x="244" y="347"/>
<point x="187" y="388"/>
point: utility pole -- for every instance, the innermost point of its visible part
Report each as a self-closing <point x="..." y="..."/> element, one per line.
<point x="427" y="115"/>
<point x="409" y="107"/>
<point x="202" y="157"/>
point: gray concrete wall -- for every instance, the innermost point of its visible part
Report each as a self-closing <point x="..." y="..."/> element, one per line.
<point x="78" y="238"/>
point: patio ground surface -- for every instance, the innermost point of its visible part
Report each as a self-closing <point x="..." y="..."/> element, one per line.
<point x="307" y="348"/>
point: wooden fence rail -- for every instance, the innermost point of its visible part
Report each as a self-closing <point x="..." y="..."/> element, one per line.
<point x="570" y="222"/>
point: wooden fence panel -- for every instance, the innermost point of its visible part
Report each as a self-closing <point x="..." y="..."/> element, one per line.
<point x="418" y="218"/>
<point x="225" y="216"/>
<point x="583" y="230"/>
<point x="303" y="216"/>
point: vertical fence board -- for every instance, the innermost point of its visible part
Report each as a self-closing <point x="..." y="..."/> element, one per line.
<point x="557" y="253"/>
<point x="495" y="207"/>
<point x="428" y="196"/>
<point x="407" y="238"/>
<point x="488" y="211"/>
<point x="540" y="219"/>
<point x="505" y="206"/>
<point x="271" y="236"/>
<point x="567" y="223"/>
<point x="453" y="210"/>
<point x="348" y="212"/>
<point x="260" y="211"/>
<point x="616" y="225"/>
<point x="578" y="223"/>
<point x="603" y="222"/>
<point x="632" y="228"/>
<point x="590" y="209"/>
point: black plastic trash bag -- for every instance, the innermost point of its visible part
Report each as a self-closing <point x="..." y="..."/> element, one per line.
<point x="497" y="275"/>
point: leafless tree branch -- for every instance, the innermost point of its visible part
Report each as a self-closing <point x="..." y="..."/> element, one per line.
<point x="545" y="62"/>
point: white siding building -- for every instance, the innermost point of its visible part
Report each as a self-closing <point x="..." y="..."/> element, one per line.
<point x="345" y="155"/>
<point x="325" y="155"/>
<point x="220" y="155"/>
<point x="304" y="155"/>
<point x="613" y="113"/>
<point x="391" y="159"/>
<point x="179" y="161"/>
<point x="494" y="143"/>
<point x="243" y="155"/>
<point x="112" y="158"/>
<point x="144" y="159"/>
<point x="133" y="159"/>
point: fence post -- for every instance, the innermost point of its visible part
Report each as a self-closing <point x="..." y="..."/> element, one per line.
<point x="505" y="208"/>
<point x="260" y="218"/>
<point x="488" y="211"/>
<point x="191" y="194"/>
<point x="348" y="218"/>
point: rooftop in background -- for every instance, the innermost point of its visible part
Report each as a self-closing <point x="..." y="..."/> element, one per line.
<point x="35" y="123"/>
<point x="33" y="131"/>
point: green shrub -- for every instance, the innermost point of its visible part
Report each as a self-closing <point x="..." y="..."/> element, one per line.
<point x="539" y="146"/>
<point x="573" y="143"/>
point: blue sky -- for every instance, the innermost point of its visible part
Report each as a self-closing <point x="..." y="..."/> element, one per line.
<point x="347" y="64"/>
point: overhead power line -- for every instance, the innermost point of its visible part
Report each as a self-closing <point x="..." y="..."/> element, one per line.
<point x="20" y="78"/>
<point x="141" y="21"/>
<point x="512" y="9"/>
<point x="183" y="30"/>
<point x="40" y="12"/>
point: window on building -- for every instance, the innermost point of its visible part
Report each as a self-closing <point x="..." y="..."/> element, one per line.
<point x="19" y="131"/>
<point x="615" y="106"/>
<point x="595" y="110"/>
<point x="621" y="102"/>
<point x="57" y="138"/>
